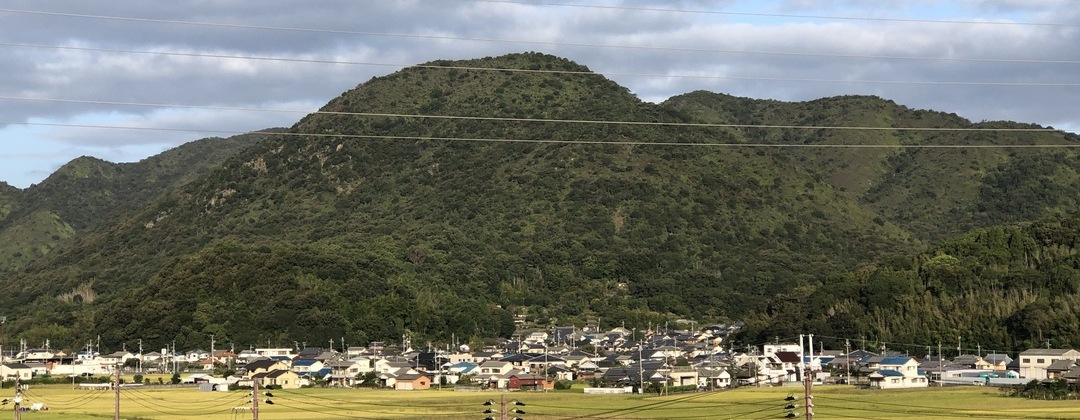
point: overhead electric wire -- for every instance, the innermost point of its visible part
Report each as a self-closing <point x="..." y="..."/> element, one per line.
<point x="532" y="120"/>
<point x="149" y="402"/>
<point x="159" y="410"/>
<point x="77" y="402"/>
<point x="231" y="397"/>
<point x="282" y="398"/>
<point x="778" y="15"/>
<point x="285" y="392"/>
<point x="540" y="71"/>
<point x="918" y="346"/>
<point x="579" y="142"/>
<point x="546" y="43"/>
<point x="920" y="409"/>
<point x="662" y="404"/>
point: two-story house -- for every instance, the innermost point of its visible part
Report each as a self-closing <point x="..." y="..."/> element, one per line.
<point x="898" y="372"/>
<point x="1034" y="362"/>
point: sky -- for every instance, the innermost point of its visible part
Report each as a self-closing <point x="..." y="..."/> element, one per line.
<point x="122" y="80"/>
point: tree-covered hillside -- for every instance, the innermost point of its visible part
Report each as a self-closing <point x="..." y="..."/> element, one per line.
<point x="89" y="192"/>
<point x="933" y="193"/>
<point x="1004" y="287"/>
<point x="379" y="215"/>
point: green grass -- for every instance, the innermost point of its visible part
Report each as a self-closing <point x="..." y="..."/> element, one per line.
<point x="746" y="403"/>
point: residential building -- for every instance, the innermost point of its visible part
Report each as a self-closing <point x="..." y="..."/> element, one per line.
<point x="897" y="372"/>
<point x="1034" y="362"/>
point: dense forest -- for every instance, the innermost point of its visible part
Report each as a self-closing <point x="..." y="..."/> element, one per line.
<point x="373" y="218"/>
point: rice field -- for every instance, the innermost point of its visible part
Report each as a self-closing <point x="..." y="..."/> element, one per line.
<point x="835" y="402"/>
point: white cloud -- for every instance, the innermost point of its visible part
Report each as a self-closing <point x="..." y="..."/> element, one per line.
<point x="349" y="31"/>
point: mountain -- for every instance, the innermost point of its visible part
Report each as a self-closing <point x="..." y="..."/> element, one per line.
<point x="1005" y="288"/>
<point x="89" y="192"/>
<point x="373" y="218"/>
<point x="933" y="193"/>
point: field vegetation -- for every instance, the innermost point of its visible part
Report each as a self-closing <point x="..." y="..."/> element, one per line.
<point x="167" y="403"/>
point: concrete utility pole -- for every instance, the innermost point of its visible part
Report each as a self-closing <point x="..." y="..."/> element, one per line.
<point x="3" y="337"/>
<point x="808" y="399"/>
<point x="140" y="355"/>
<point x="255" y="398"/>
<point x="847" y="361"/>
<point x="18" y="398"/>
<point x="213" y="352"/>
<point x="941" y="375"/>
<point x="116" y="386"/>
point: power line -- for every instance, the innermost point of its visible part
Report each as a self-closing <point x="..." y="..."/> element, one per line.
<point x="579" y="142"/>
<point x="498" y="119"/>
<point x="532" y="42"/>
<point x="540" y="71"/>
<point x="780" y="15"/>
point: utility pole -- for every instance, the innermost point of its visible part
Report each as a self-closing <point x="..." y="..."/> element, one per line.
<point x="809" y="380"/>
<point x="18" y="398"/>
<point x="847" y="361"/>
<point x="940" y="374"/>
<point x="213" y="359"/>
<point x="116" y="403"/>
<point x="502" y="401"/>
<point x="140" y="355"/>
<point x="640" y="371"/>
<point x="3" y="338"/>
<point x="255" y="398"/>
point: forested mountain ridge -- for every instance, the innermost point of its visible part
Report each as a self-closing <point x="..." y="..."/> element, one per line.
<point x="934" y="193"/>
<point x="1004" y="287"/>
<point x="366" y="222"/>
<point x="89" y="192"/>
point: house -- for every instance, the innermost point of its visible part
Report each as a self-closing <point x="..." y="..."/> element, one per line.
<point x="495" y="367"/>
<point x="303" y="366"/>
<point x="537" y="337"/>
<point x="1033" y="362"/>
<point x="683" y="376"/>
<point x="786" y="366"/>
<point x="195" y="356"/>
<point x="411" y="381"/>
<point x="542" y="363"/>
<point x="284" y="378"/>
<point x="971" y="361"/>
<point x="1059" y="368"/>
<point x="897" y="372"/>
<point x="529" y="381"/>
<point x="770" y="349"/>
<point x="998" y="361"/>
<point x="713" y="378"/>
<point x="387" y="365"/>
<point x="206" y="364"/>
<point x="340" y="373"/>
<point x="20" y="371"/>
<point x="1073" y="375"/>
<point x="117" y="358"/>
<point x="270" y="352"/>
<point x="263" y="366"/>
<point x="463" y="368"/>
<point x="224" y="357"/>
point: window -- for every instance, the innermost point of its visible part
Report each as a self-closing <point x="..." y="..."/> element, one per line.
<point x="1040" y="361"/>
<point x="1027" y="360"/>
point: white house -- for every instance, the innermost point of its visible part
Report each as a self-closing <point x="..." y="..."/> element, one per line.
<point x="898" y="372"/>
<point x="1033" y="362"/>
<point x="15" y="370"/>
